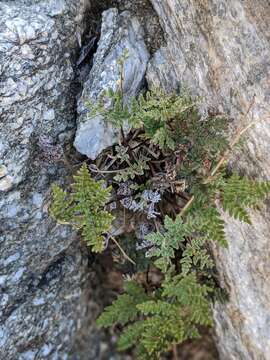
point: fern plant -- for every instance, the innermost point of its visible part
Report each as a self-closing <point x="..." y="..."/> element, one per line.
<point x="157" y="321"/>
<point x="83" y="208"/>
<point x="168" y="169"/>
<point x="171" y="127"/>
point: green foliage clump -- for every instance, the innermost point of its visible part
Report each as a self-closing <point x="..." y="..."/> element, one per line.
<point x="186" y="236"/>
<point x="83" y="208"/>
<point x="161" y="319"/>
<point x="165" y="243"/>
<point x="238" y="194"/>
<point x="124" y="309"/>
<point x="168" y="168"/>
<point x="163" y="118"/>
<point x="191" y="148"/>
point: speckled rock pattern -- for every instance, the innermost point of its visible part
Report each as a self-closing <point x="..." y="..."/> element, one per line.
<point x="220" y="50"/>
<point x="120" y="32"/>
<point x="42" y="268"/>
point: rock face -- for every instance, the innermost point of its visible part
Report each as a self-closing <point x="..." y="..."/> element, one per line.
<point x="42" y="269"/>
<point x="120" y="32"/>
<point x="220" y="50"/>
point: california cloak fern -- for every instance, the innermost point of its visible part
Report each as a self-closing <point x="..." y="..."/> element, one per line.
<point x="167" y="169"/>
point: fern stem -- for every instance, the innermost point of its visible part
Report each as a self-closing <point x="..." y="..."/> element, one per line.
<point x="188" y="204"/>
<point x="234" y="141"/>
<point x="140" y="144"/>
<point x="226" y="154"/>
<point x="175" y="352"/>
<point x="105" y="171"/>
<point x="122" y="250"/>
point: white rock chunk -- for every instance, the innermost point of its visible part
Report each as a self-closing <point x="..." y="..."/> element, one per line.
<point x="120" y="32"/>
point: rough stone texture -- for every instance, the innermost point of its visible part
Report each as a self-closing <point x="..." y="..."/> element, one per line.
<point x="119" y="32"/>
<point x="144" y="12"/>
<point x="220" y="50"/>
<point x="42" y="268"/>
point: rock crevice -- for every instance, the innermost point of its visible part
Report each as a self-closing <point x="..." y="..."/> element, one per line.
<point x="220" y="51"/>
<point x="120" y="33"/>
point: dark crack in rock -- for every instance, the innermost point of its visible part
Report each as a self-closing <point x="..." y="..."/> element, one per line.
<point x="120" y="32"/>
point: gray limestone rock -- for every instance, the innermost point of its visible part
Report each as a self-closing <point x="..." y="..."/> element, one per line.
<point x="43" y="271"/>
<point x="119" y="32"/>
<point x="220" y="50"/>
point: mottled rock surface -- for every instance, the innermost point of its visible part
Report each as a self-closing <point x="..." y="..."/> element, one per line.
<point x="119" y="32"/>
<point x="43" y="271"/>
<point x="220" y="50"/>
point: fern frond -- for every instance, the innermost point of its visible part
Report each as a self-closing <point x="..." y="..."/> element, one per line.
<point x="62" y="206"/>
<point x="136" y="291"/>
<point x="111" y="107"/>
<point x="238" y="194"/>
<point x="158" y="307"/>
<point x="191" y="295"/>
<point x="214" y="226"/>
<point x="165" y="244"/>
<point x="136" y="168"/>
<point x="124" y="308"/>
<point x="83" y="208"/>
<point x="121" y="311"/>
<point x="195" y="256"/>
<point x="161" y="332"/>
<point x="131" y="336"/>
<point x="209" y="223"/>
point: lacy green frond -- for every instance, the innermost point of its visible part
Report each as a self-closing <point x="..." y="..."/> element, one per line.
<point x="137" y="168"/>
<point x="124" y="308"/>
<point x="118" y="114"/>
<point x="196" y="256"/>
<point x="239" y="193"/>
<point x="131" y="336"/>
<point x="213" y="225"/>
<point x="171" y="239"/>
<point x="83" y="208"/>
<point x="191" y="295"/>
<point x="161" y="331"/>
<point x="155" y="323"/>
